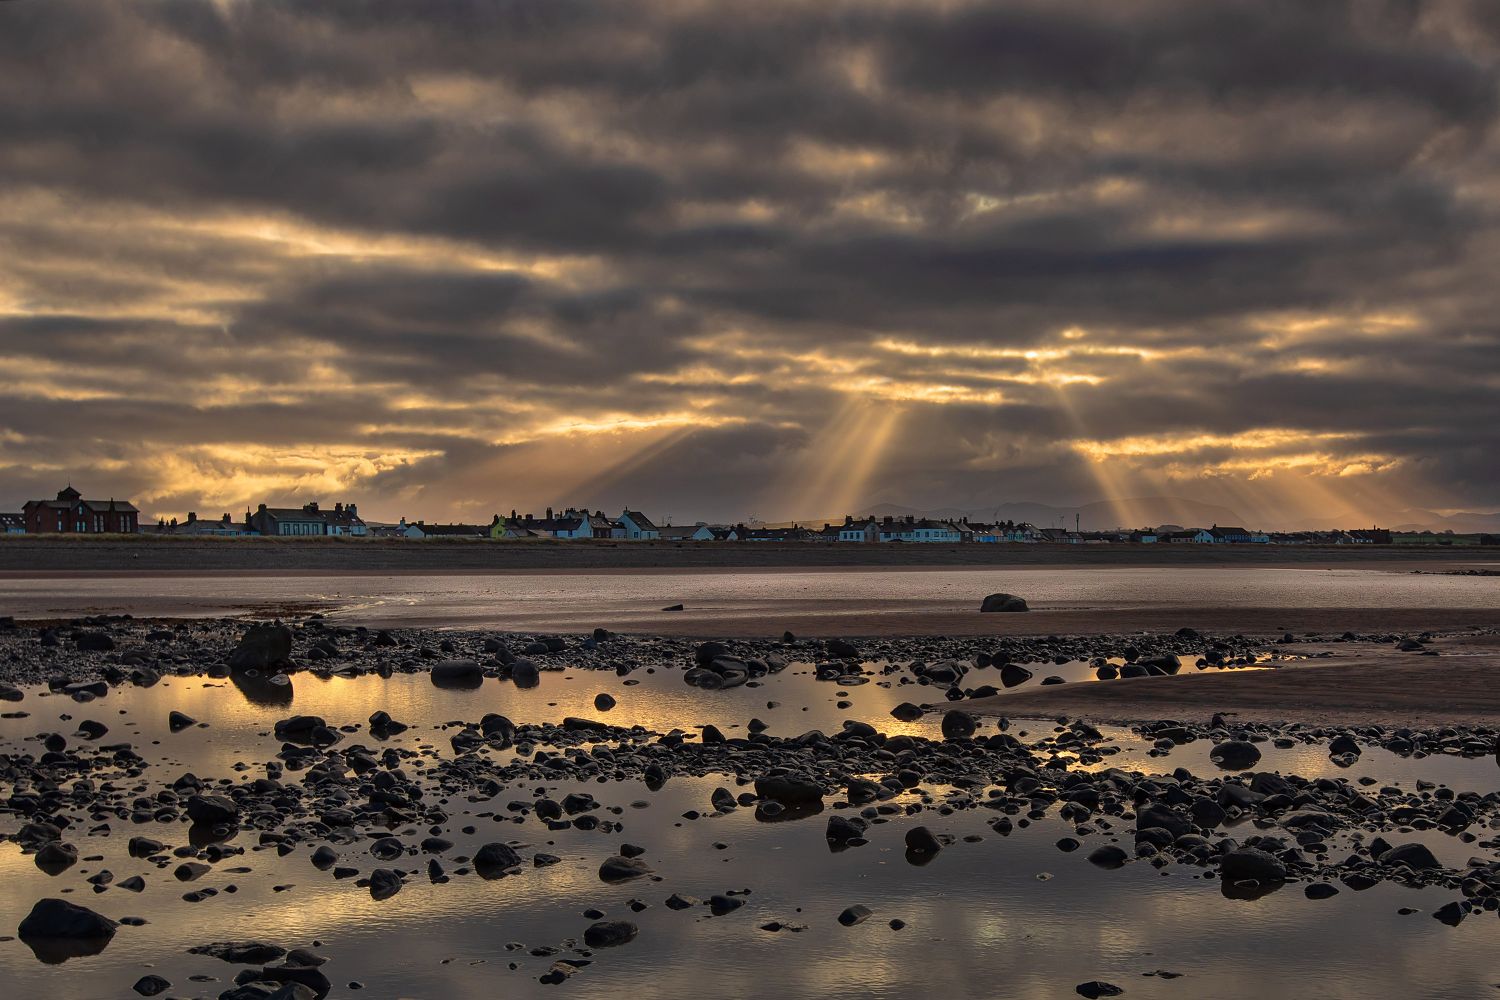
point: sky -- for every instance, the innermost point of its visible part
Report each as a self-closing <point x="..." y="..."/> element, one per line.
<point x="776" y="260"/>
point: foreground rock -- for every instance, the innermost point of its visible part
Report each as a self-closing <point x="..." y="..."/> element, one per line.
<point x="1003" y="602"/>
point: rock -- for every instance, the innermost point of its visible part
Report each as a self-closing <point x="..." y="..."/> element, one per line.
<point x="843" y="829"/>
<point x="94" y="642"/>
<point x="1012" y="675"/>
<point x="856" y="914"/>
<point x="842" y="649"/>
<point x="1108" y="856"/>
<point x="1343" y="744"/>
<point x="240" y="952"/>
<point x="789" y="789"/>
<point x="1096" y="989"/>
<point x="907" y="712"/>
<point x="457" y="673"/>
<point x="262" y="646"/>
<point x="384" y="884"/>
<point x="1235" y="755"/>
<point x="493" y="860"/>
<point x="920" y="840"/>
<point x="958" y="725"/>
<point x="149" y="986"/>
<point x="1320" y="890"/>
<point x="56" y="857"/>
<point x="617" y="869"/>
<point x="212" y="809"/>
<point x="1003" y="602"/>
<point x="1249" y="864"/>
<point x="525" y="674"/>
<point x="603" y="701"/>
<point x="57" y="930"/>
<point x="610" y="933"/>
<point x="178" y="721"/>
<point x="1418" y="857"/>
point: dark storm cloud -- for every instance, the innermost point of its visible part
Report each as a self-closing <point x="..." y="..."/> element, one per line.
<point x="477" y="253"/>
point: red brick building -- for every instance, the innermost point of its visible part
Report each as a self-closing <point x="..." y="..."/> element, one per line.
<point x="71" y="514"/>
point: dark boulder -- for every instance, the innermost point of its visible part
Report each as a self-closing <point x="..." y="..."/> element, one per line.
<point x="1003" y="602"/>
<point x="262" y="646"/>
<point x="610" y="933"/>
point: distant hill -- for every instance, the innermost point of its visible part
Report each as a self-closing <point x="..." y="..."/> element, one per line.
<point x="1416" y="519"/>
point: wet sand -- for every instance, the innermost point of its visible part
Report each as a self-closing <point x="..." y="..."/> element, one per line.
<point x="1362" y="686"/>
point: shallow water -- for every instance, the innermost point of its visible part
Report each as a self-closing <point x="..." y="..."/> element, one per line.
<point x="575" y="601"/>
<point x="980" y="923"/>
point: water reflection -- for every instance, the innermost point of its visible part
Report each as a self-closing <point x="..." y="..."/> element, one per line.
<point x="260" y="688"/>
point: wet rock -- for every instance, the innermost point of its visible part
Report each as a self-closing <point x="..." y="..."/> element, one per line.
<point x="212" y="810"/>
<point x="1418" y="857"/>
<point x="494" y="860"/>
<point x="1235" y="755"/>
<point x="920" y="840"/>
<point x="856" y="914"/>
<point x="603" y="701"/>
<point x="262" y="646"/>
<point x="56" y="857"/>
<point x="178" y="721"/>
<point x="150" y="986"/>
<point x="1108" y="856"/>
<point x="1003" y="602"/>
<point x="610" y="933"/>
<point x="958" y="725"/>
<point x="457" y="674"/>
<point x="384" y="884"/>
<point x="1012" y="675"/>
<point x="907" y="712"/>
<point x="616" y="869"/>
<point x="1249" y="864"/>
<point x="842" y="830"/>
<point x="1343" y="744"/>
<point x="1096" y="989"/>
<point x="789" y="789"/>
<point x="240" y="952"/>
<point x="57" y="930"/>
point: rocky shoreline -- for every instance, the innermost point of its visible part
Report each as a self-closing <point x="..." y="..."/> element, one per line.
<point x="364" y="808"/>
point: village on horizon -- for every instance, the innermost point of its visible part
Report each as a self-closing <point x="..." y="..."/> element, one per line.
<point x="69" y="513"/>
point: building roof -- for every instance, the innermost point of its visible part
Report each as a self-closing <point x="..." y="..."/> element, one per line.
<point x="450" y="529"/>
<point x="640" y="520"/>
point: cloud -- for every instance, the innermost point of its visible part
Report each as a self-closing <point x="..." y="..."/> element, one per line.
<point x="511" y="254"/>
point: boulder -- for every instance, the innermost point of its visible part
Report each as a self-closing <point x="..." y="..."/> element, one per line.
<point x="1003" y="602"/>
<point x="262" y="646"/>
<point x="1235" y="755"/>
<point x="1249" y="864"/>
<point x="610" y="933"/>
<point x="212" y="809"/>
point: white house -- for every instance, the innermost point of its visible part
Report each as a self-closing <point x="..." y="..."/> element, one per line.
<point x="12" y="524"/>
<point x="638" y="525"/>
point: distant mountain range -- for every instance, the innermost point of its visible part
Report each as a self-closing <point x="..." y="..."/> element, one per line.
<point x="1140" y="512"/>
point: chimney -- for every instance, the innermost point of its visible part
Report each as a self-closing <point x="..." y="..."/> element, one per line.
<point x="192" y="516"/>
<point x="311" y="508"/>
<point x="262" y="508"/>
<point x="338" y="508"/>
<point x="549" y="513"/>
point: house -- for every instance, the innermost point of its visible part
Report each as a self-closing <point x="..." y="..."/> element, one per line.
<point x="1188" y="536"/>
<point x="1370" y="536"/>
<point x="1145" y="536"/>
<point x="12" y="524"/>
<point x="864" y="530"/>
<point x="194" y="525"/>
<point x="71" y="514"/>
<point x="421" y="529"/>
<point x="638" y="525"/>
<point x="1237" y="536"/>
<point x="733" y="534"/>
<point x="344" y="520"/>
<point x="699" y="532"/>
<point x="286" y="522"/>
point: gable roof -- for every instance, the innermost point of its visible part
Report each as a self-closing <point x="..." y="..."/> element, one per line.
<point x="640" y="520"/>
